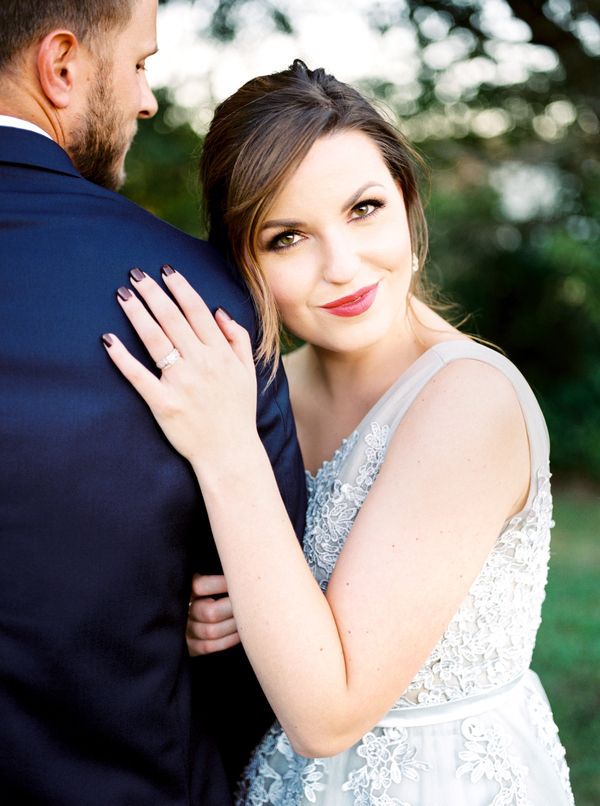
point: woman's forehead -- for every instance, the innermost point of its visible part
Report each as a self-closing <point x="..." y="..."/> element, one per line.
<point x="336" y="164"/>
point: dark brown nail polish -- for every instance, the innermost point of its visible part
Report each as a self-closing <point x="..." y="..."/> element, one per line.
<point x="167" y="270"/>
<point x="124" y="293"/>
<point x="137" y="275"/>
<point x="107" y="340"/>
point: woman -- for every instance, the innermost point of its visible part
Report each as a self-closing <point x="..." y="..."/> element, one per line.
<point x="427" y="468"/>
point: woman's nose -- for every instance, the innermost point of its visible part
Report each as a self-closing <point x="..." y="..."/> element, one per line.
<point x="340" y="260"/>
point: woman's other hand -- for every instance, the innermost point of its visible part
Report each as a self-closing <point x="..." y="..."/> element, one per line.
<point x="205" y="399"/>
<point x="211" y="626"/>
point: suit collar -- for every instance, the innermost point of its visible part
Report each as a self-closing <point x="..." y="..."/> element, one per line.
<point x="21" y="147"/>
<point x="21" y="123"/>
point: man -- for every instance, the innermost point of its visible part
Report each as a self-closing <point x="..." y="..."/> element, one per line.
<point x="101" y="522"/>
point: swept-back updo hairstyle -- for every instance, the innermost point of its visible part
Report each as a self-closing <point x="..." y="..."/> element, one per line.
<point x="256" y="140"/>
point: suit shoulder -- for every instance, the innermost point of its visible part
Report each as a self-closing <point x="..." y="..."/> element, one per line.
<point x="145" y="232"/>
<point x="133" y="216"/>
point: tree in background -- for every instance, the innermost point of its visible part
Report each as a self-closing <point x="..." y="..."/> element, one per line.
<point x="161" y="167"/>
<point x="503" y="102"/>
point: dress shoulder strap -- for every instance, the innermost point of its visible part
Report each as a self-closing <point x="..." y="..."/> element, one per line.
<point x="394" y="404"/>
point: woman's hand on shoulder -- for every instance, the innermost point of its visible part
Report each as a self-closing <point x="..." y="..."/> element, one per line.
<point x="211" y="625"/>
<point x="205" y="399"/>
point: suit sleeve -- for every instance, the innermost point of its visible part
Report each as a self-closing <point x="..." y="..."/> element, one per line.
<point x="278" y="433"/>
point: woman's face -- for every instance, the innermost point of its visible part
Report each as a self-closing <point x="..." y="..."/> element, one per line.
<point x="335" y="246"/>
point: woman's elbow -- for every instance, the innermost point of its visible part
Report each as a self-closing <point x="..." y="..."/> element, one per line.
<point x="319" y="742"/>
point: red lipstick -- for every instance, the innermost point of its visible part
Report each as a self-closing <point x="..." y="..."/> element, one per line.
<point x="353" y="304"/>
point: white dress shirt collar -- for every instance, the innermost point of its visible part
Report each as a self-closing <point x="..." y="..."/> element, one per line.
<point x="17" y="123"/>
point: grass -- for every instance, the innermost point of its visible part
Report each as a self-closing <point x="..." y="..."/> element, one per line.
<point x="567" y="654"/>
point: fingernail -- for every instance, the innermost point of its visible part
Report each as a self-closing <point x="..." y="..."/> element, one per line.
<point x="137" y="275"/>
<point x="107" y="340"/>
<point x="225" y="313"/>
<point x="167" y="270"/>
<point x="124" y="293"/>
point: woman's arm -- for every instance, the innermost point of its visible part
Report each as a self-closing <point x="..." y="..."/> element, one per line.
<point x="457" y="466"/>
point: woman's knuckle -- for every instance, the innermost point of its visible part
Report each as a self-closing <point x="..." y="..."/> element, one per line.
<point x="212" y="632"/>
<point x="189" y="384"/>
<point x="212" y="612"/>
<point x="170" y="407"/>
<point x="200" y="632"/>
<point x="193" y="631"/>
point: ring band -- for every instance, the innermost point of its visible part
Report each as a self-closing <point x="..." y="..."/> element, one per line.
<point x="170" y="359"/>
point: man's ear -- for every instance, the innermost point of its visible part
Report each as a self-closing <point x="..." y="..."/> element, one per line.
<point x="58" y="62"/>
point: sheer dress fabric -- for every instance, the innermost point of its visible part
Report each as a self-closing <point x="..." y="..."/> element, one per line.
<point x="474" y="727"/>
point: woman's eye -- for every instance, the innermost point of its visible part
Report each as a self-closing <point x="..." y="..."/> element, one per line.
<point x="285" y="240"/>
<point x="366" y="208"/>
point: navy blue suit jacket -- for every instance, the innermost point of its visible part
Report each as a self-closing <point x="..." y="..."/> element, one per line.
<point x="102" y="523"/>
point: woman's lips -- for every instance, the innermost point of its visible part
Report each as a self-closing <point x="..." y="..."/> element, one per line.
<point x="353" y="304"/>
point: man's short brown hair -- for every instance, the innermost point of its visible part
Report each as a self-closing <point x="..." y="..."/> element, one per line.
<point x="23" y="22"/>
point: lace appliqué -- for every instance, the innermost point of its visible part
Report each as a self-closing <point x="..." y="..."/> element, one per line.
<point x="488" y="643"/>
<point x="490" y="640"/>
<point x="389" y="759"/>
<point x="487" y="755"/>
<point x="491" y="637"/>
<point x="541" y="718"/>
<point x="262" y="783"/>
<point x="333" y="505"/>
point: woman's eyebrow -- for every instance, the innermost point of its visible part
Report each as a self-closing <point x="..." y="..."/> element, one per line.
<point x="356" y="196"/>
<point x="287" y="223"/>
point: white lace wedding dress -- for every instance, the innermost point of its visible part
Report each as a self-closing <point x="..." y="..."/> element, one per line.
<point x="474" y="727"/>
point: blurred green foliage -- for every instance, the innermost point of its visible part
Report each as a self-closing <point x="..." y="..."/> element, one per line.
<point x="162" y="168"/>
<point x="531" y="287"/>
<point x="567" y="654"/>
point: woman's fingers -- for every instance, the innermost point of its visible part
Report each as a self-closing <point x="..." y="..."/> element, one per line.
<point x="150" y="332"/>
<point x="166" y="313"/>
<point x="211" y="625"/>
<point x="162" y="326"/>
<point x="206" y="395"/>
<point x="209" y="584"/>
<point x="193" y="306"/>
<point x="215" y="614"/>
<point x="211" y="611"/>
<point x="142" y="380"/>
<point x="237" y="336"/>
<point x="207" y="631"/>
<point x="198" y="647"/>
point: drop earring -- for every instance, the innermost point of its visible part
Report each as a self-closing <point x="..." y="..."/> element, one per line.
<point x="415" y="263"/>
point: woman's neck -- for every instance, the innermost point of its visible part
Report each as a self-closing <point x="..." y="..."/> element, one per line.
<point x="366" y="374"/>
<point x="332" y="391"/>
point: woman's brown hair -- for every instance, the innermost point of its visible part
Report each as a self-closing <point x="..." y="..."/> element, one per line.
<point x="258" y="137"/>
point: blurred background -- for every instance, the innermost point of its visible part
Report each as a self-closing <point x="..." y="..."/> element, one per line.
<point x="502" y="98"/>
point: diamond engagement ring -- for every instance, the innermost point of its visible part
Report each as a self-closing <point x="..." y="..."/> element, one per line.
<point x="170" y="359"/>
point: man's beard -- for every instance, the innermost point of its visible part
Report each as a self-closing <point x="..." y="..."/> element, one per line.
<point x="98" y="146"/>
